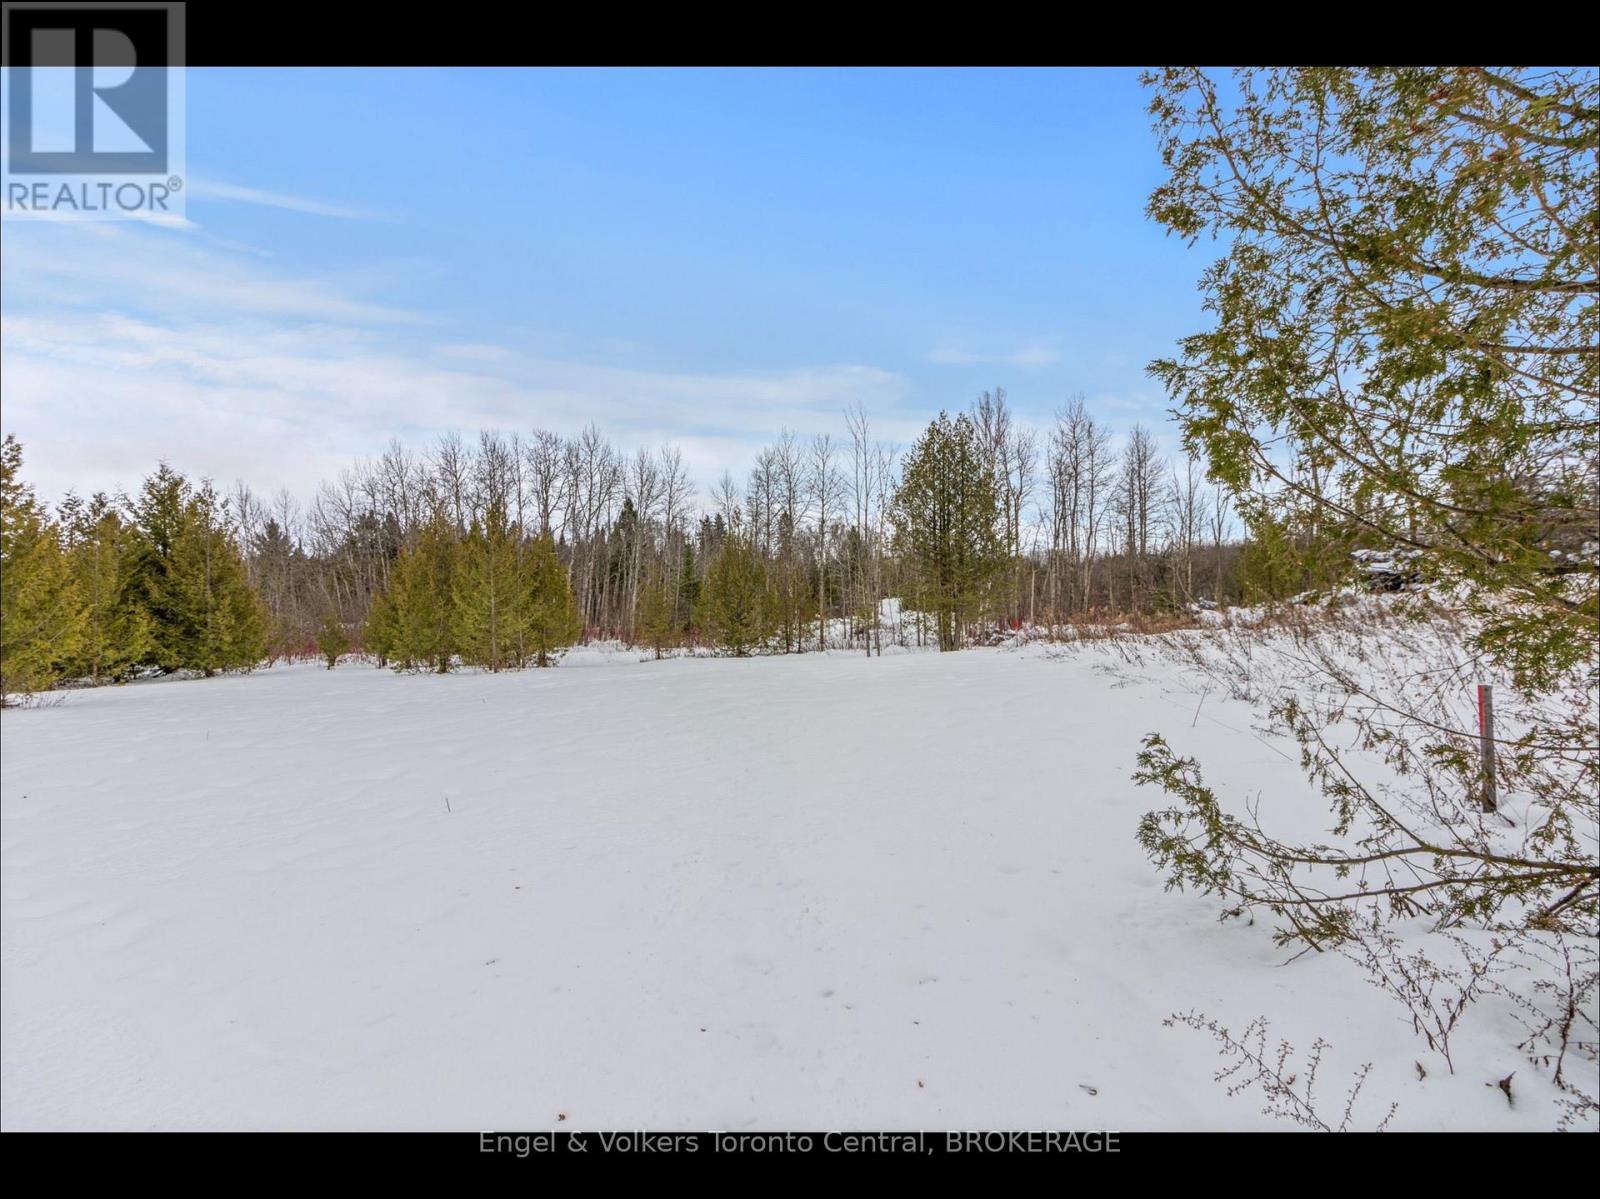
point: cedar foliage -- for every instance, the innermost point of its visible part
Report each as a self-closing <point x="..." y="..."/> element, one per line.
<point x="1402" y="350"/>
<point x="42" y="619"/>
<point x="119" y="634"/>
<point x="1405" y="322"/>
<point x="553" y="620"/>
<point x="420" y="632"/>
<point x="492" y="596"/>
<point x="332" y="640"/>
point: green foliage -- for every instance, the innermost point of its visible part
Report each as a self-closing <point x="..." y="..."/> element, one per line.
<point x="221" y="622"/>
<point x="41" y="616"/>
<point x="417" y="626"/>
<point x="119" y="634"/>
<point x="553" y="619"/>
<point x="689" y="590"/>
<point x="491" y="597"/>
<point x="1280" y="561"/>
<point x="184" y="568"/>
<point x="1405" y="320"/>
<point x="947" y="523"/>
<point x="332" y="640"/>
<point x="158" y="516"/>
<point x="1402" y="356"/>
<point x="379" y="636"/>
<point x="658" y="613"/>
<point x="1200" y="846"/>
<point x="737" y="607"/>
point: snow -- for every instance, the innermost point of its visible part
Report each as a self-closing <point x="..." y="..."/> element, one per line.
<point x="817" y="891"/>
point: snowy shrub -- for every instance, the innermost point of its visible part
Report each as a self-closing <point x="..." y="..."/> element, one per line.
<point x="1289" y="1090"/>
<point x="1376" y="694"/>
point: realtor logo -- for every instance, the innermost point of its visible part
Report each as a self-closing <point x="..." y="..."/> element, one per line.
<point x="93" y="110"/>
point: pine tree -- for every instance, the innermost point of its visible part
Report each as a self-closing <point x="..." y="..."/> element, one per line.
<point x="119" y="633"/>
<point x="490" y="596"/>
<point x="737" y="608"/>
<point x="553" y="620"/>
<point x="41" y="617"/>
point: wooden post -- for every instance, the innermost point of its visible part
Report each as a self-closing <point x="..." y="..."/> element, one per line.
<point x="1486" y="744"/>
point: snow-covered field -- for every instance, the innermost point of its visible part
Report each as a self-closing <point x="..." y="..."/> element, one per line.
<point x="818" y="891"/>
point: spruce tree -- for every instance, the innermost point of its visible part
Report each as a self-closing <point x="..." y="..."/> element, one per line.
<point x="553" y="622"/>
<point x="41" y="617"/>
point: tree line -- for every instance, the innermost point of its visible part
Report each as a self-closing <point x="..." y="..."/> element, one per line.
<point x="502" y="552"/>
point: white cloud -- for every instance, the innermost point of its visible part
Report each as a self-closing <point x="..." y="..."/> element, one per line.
<point x="215" y="189"/>
<point x="121" y="350"/>
<point x="115" y="265"/>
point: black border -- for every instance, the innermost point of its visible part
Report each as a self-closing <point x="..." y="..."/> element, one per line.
<point x="334" y="34"/>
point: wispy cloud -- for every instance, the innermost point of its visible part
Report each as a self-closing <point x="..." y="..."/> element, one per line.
<point x="123" y="349"/>
<point x="215" y="189"/>
<point x="122" y="265"/>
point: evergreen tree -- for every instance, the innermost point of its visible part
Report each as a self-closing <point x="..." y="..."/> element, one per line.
<point x="658" y="613"/>
<point x="218" y="623"/>
<point x="1402" y="345"/>
<point x="553" y="622"/>
<point x="1404" y="324"/>
<point x="1269" y="567"/>
<point x="737" y="608"/>
<point x="490" y="596"/>
<point x="41" y="617"/>
<point x="380" y="635"/>
<point x="947" y="523"/>
<point x="158" y="517"/>
<point x="332" y="640"/>
<point x="119" y="633"/>
<point x="420" y="599"/>
<point x="688" y="590"/>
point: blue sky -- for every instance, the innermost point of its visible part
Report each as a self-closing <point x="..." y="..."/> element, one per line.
<point x="695" y="256"/>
